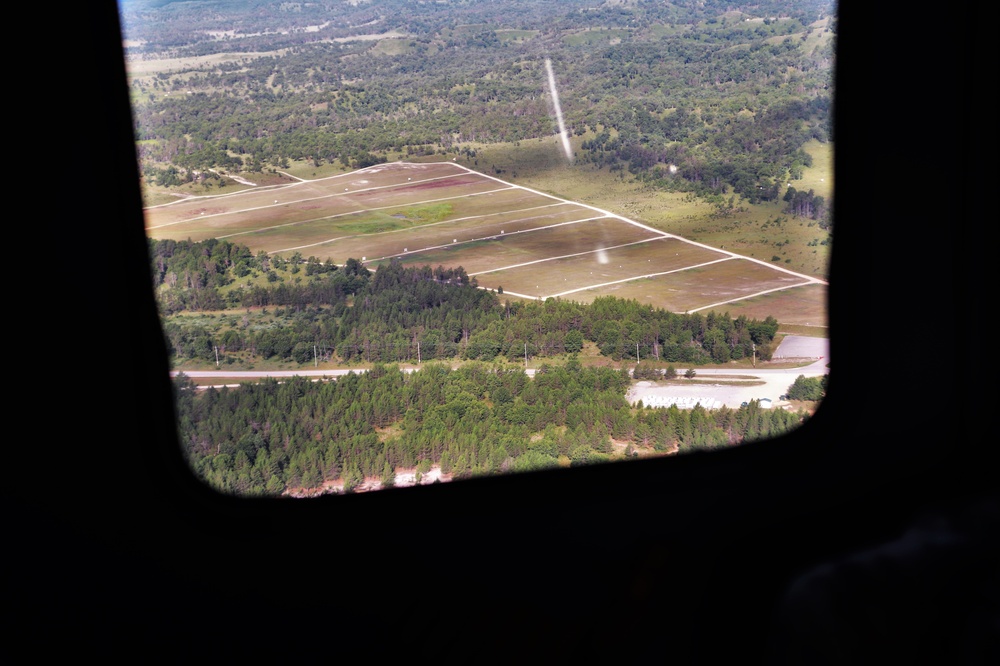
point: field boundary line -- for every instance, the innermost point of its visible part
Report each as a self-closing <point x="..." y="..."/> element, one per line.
<point x="651" y="275"/>
<point x="734" y="255"/>
<point x="260" y="188"/>
<point x="568" y="256"/>
<point x="491" y="237"/>
<point x="368" y="210"/>
<point x="743" y="298"/>
<point x="579" y="203"/>
<point x="514" y="293"/>
<point x="462" y="219"/>
<point x="363" y="210"/>
<point x="300" y="181"/>
<point x="304" y="200"/>
<point x="226" y="195"/>
<point x="640" y="277"/>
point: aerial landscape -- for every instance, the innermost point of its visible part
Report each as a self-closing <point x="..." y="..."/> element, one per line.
<point x="398" y="243"/>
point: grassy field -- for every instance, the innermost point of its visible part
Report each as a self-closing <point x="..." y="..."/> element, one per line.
<point x="393" y="47"/>
<point x="802" y="309"/>
<point x="716" y="286"/>
<point x="496" y="254"/>
<point x="761" y="231"/>
<point x="596" y="36"/>
<point x="513" y="35"/>
<point x="252" y="209"/>
<point x="558" y="277"/>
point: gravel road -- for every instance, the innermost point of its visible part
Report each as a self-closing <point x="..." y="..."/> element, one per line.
<point x="761" y="382"/>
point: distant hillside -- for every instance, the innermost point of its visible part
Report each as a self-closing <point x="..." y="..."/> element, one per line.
<point x="699" y="97"/>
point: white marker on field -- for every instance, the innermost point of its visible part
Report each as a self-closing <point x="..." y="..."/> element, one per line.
<point x="559" y="116"/>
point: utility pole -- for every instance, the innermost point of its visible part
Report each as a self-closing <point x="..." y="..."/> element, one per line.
<point x="637" y="352"/>
<point x="217" y="356"/>
<point x="418" y="353"/>
<point x="755" y="354"/>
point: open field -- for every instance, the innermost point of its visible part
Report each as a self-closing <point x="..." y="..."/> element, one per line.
<point x="507" y="252"/>
<point x="356" y="237"/>
<point x="570" y="276"/>
<point x="531" y="243"/>
<point x="307" y="199"/>
<point x="514" y="35"/>
<point x="760" y="231"/>
<point x="699" y="286"/>
<point x="597" y="36"/>
<point x="803" y="309"/>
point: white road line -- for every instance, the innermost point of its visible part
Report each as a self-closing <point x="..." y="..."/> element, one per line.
<point x="297" y="201"/>
<point x="301" y="181"/>
<point x="514" y="293"/>
<point x="213" y="197"/>
<point x="366" y="210"/>
<point x="652" y="275"/>
<point x="261" y="188"/>
<point x="490" y="237"/>
<point x="734" y="255"/>
<point x="754" y="295"/>
<point x="575" y="254"/>
<point x="641" y="277"/>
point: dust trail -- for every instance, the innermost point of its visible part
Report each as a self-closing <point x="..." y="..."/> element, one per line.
<point x="559" y="115"/>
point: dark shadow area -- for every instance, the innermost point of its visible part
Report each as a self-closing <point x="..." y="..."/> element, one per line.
<point x="868" y="535"/>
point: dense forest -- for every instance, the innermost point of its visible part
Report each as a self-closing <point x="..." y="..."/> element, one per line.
<point x="707" y="96"/>
<point x="408" y="313"/>
<point x="485" y="417"/>
<point x="271" y="437"/>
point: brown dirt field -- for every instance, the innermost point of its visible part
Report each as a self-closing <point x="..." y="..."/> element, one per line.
<point x="257" y="207"/>
<point x="339" y="239"/>
<point x="514" y="246"/>
<point x="696" y="288"/>
<point x="656" y="255"/>
<point x="800" y="306"/>
<point x="408" y="196"/>
<point x="276" y="227"/>
<point x="448" y="182"/>
<point x="459" y="241"/>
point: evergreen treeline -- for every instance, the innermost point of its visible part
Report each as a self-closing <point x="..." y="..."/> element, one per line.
<point x="401" y="313"/>
<point x="188" y="275"/>
<point x="266" y="438"/>
<point x="807" y="204"/>
<point x="808" y="388"/>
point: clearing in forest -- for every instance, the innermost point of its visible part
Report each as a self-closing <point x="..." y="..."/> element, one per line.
<point x="528" y="243"/>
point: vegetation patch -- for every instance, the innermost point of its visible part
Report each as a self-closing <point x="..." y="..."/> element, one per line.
<point x="513" y="35"/>
<point x="597" y="36"/>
